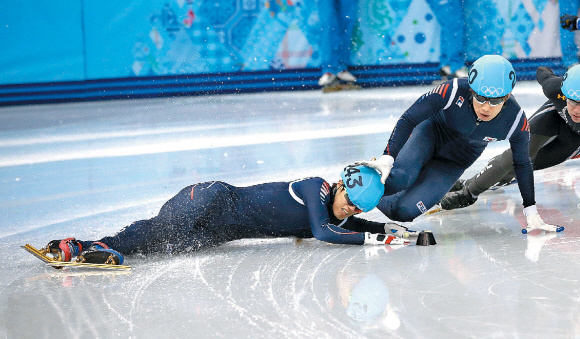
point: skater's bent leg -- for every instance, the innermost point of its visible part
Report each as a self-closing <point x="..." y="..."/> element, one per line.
<point x="415" y="154"/>
<point x="431" y="185"/>
<point x="390" y="207"/>
<point x="557" y="151"/>
<point x="500" y="169"/>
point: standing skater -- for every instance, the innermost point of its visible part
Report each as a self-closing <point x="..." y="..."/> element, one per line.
<point x="337" y="19"/>
<point x="452" y="59"/>
<point x="569" y="21"/>
<point x="445" y="131"/>
<point x="213" y="213"/>
<point x="555" y="138"/>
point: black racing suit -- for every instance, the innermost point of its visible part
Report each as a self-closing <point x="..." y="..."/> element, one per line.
<point x="554" y="138"/>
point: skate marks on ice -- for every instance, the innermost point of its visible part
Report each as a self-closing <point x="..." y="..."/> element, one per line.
<point x="482" y="279"/>
<point x="472" y="278"/>
<point x="529" y="274"/>
<point x="281" y="293"/>
<point x="273" y="287"/>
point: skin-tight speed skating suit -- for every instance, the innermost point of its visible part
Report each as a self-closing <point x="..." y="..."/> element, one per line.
<point x="554" y="139"/>
<point x="439" y="137"/>
<point x="212" y="213"/>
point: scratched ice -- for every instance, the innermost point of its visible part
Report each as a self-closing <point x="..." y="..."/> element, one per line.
<point x="88" y="169"/>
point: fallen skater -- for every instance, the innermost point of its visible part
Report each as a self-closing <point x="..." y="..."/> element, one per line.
<point x="212" y="213"/>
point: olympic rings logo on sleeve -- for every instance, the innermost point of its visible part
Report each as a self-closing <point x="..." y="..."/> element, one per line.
<point x="574" y="95"/>
<point x="492" y="92"/>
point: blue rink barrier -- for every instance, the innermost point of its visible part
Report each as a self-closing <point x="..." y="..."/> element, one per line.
<point x="237" y="82"/>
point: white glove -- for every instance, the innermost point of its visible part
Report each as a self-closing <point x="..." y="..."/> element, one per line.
<point x="399" y="230"/>
<point x="383" y="165"/>
<point x="535" y="222"/>
<point x="383" y="239"/>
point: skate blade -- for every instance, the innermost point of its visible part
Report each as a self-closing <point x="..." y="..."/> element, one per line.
<point x="340" y="87"/>
<point x="61" y="264"/>
<point x="40" y="254"/>
<point x="434" y="209"/>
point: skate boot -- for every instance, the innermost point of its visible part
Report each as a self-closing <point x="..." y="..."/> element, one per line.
<point x="446" y="74"/>
<point x="64" y="250"/>
<point x="70" y="249"/>
<point x="457" y="186"/>
<point x="342" y="81"/>
<point x="100" y="253"/>
<point x="326" y="79"/>
<point x="346" y="76"/>
<point x="461" y="73"/>
<point x="458" y="199"/>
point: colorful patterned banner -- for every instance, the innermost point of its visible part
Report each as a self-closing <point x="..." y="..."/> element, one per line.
<point x="171" y="37"/>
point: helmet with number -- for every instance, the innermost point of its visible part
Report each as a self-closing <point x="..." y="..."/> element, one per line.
<point x="492" y="76"/>
<point x="363" y="186"/>
<point x="571" y="83"/>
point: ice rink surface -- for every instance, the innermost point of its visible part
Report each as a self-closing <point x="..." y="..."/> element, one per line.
<point x="86" y="170"/>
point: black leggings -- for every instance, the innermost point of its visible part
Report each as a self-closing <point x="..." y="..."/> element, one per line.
<point x="551" y="143"/>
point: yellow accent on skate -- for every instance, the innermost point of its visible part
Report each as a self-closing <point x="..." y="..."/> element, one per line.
<point x="60" y="264"/>
<point x="41" y="254"/>
<point x="433" y="210"/>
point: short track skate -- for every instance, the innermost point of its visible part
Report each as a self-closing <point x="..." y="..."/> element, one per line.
<point x="45" y="255"/>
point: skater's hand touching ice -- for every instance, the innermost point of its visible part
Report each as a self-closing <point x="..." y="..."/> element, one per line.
<point x="535" y="221"/>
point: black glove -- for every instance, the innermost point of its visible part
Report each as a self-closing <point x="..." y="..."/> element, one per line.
<point x="569" y="22"/>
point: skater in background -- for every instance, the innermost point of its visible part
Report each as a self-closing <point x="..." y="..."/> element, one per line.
<point x="445" y="131"/>
<point x="212" y="213"/>
<point x="337" y="18"/>
<point x="452" y="59"/>
<point x="555" y="138"/>
<point x="569" y="21"/>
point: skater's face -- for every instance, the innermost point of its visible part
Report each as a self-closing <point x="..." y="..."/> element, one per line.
<point x="485" y="111"/>
<point x="573" y="109"/>
<point x="342" y="207"/>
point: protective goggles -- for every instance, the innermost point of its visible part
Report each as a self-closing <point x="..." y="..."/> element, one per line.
<point x="492" y="101"/>
<point x="572" y="102"/>
<point x="349" y="203"/>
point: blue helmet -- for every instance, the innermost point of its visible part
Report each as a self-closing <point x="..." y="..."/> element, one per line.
<point x="492" y="76"/>
<point x="571" y="83"/>
<point x="363" y="186"/>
